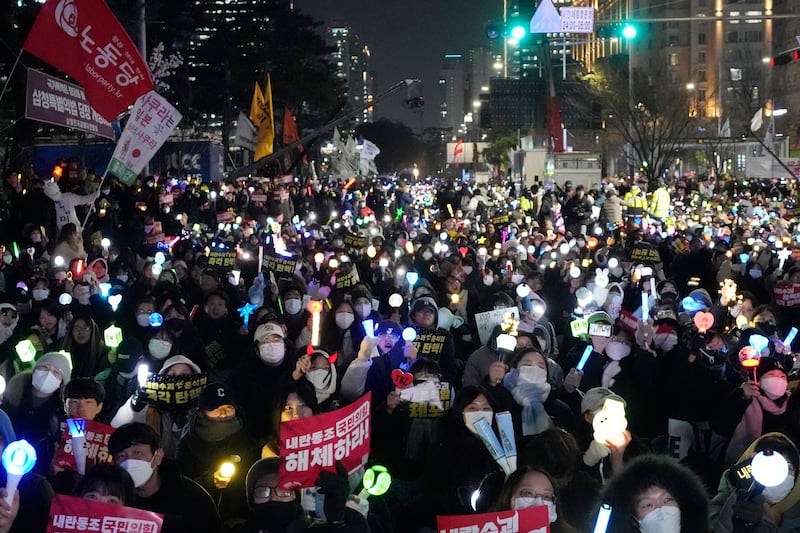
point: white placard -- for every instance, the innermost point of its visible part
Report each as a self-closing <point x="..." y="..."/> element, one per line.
<point x="488" y="320"/>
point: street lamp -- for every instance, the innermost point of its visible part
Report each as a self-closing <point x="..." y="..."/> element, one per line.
<point x="629" y="32"/>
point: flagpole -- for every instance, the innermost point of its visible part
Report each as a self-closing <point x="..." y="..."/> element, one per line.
<point x="16" y="62"/>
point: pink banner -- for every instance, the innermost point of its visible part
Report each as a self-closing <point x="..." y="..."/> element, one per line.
<point x="530" y="520"/>
<point x="311" y="445"/>
<point x="96" y="435"/>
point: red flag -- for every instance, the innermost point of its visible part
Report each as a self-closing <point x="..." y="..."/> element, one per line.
<point x="290" y="129"/>
<point x="83" y="39"/>
<point x="459" y="149"/>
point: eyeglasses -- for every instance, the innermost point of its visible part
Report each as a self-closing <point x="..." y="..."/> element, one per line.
<point x="265" y="492"/>
<point x="9" y="312"/>
<point x="530" y="493"/>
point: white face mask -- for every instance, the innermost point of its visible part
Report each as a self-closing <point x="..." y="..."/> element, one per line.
<point x="159" y="348"/>
<point x="665" y="519"/>
<point x="140" y="471"/>
<point x="617" y="350"/>
<point x="665" y="342"/>
<point x="293" y="306"/>
<point x="122" y="277"/>
<point x="363" y="310"/>
<point x="345" y="320"/>
<point x="524" y="503"/>
<point x="40" y="294"/>
<point x="427" y="256"/>
<point x="272" y="352"/>
<point x="754" y="273"/>
<point x="470" y="417"/>
<point x="143" y="320"/>
<point x="319" y="377"/>
<point x="488" y="280"/>
<point x="45" y="381"/>
<point x="532" y="374"/>
<point x="467" y="270"/>
<point x="516" y="279"/>
<point x="773" y="386"/>
<point x="777" y="493"/>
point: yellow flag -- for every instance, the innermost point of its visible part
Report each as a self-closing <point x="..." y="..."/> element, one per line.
<point x="257" y="106"/>
<point x="265" y="125"/>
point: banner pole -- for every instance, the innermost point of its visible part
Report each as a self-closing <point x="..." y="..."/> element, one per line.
<point x="91" y="207"/>
<point x="16" y="62"/>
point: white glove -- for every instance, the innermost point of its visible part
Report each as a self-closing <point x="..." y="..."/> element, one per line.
<point x="595" y="453"/>
<point x="611" y="370"/>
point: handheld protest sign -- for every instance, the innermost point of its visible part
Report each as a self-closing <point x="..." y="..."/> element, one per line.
<point x="401" y="379"/>
<point x="703" y="320"/>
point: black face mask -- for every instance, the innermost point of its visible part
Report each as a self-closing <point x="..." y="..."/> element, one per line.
<point x="175" y="325"/>
<point x="276" y="515"/>
<point x="767" y="328"/>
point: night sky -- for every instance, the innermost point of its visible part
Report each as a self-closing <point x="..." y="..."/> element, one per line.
<point x="408" y="40"/>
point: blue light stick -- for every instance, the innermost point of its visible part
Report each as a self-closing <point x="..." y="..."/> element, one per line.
<point x="19" y="458"/>
<point x="584" y="358"/>
<point x="156" y="320"/>
<point x="369" y="327"/>
<point x="245" y="311"/>
<point x="603" y="518"/>
<point x="790" y="337"/>
<point x="759" y="342"/>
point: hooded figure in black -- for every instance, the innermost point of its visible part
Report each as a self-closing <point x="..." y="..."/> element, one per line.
<point x="652" y="491"/>
<point x="433" y="342"/>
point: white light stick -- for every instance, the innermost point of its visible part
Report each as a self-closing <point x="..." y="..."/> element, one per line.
<point x="603" y="518"/>
<point x="653" y="287"/>
<point x="315" y="306"/>
<point x="141" y="374"/>
<point x="645" y="307"/>
<point x="369" y="327"/>
<point x="19" y="458"/>
<point x="77" y="430"/>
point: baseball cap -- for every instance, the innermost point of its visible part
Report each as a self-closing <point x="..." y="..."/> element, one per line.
<point x="594" y="398"/>
<point x="425" y="302"/>
<point x="265" y="330"/>
<point x="214" y="396"/>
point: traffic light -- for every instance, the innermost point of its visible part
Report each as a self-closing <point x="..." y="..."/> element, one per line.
<point x="785" y="58"/>
<point x="629" y="31"/>
<point x="516" y="28"/>
<point x="620" y="30"/>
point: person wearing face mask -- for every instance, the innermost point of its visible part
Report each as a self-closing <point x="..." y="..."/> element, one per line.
<point x="317" y="370"/>
<point x="336" y="334"/>
<point x="215" y="434"/>
<point x="186" y="338"/>
<point x="458" y="460"/>
<point x="32" y="401"/>
<point x="40" y="289"/>
<point x="140" y="326"/>
<point x="361" y="298"/>
<point x="294" y="315"/>
<point x="749" y="506"/>
<point x="656" y="494"/>
<point x="160" y="346"/>
<point x="530" y="487"/>
<point x="158" y="482"/>
<point x="10" y="335"/>
<point x="269" y="362"/>
<point x="755" y="408"/>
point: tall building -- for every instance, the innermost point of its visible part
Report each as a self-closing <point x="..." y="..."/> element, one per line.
<point x="453" y="92"/>
<point x="351" y="58"/>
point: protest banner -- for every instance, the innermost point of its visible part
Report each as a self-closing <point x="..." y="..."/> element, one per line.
<point x="54" y="101"/>
<point x="156" y="234"/>
<point x="166" y="199"/>
<point x="168" y="392"/>
<point x="787" y="294"/>
<point x="354" y="240"/>
<point x="430" y="343"/>
<point x="500" y="220"/>
<point x="311" y="445"/>
<point x="282" y="267"/>
<point x="96" y="435"/>
<point x="645" y="253"/>
<point x="432" y="407"/>
<point x="151" y="122"/>
<point x="258" y="197"/>
<point x="486" y="321"/>
<point x="628" y="321"/>
<point x="224" y="216"/>
<point x="221" y="258"/>
<point x="529" y="520"/>
<point x="346" y="280"/>
<point x="72" y="515"/>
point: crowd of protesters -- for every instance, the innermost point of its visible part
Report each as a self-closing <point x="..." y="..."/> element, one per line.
<point x="672" y="298"/>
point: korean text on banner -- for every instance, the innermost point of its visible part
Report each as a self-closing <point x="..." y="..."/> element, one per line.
<point x="151" y="123"/>
<point x="73" y="515"/>
<point x="530" y="520"/>
<point x="96" y="435"/>
<point x="311" y="445"/>
<point x="83" y="39"/>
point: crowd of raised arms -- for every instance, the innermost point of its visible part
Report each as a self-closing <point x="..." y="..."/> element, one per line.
<point x="632" y="342"/>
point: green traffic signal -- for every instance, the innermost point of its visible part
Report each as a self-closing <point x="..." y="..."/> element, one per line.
<point x="629" y="31"/>
<point x="518" y="31"/>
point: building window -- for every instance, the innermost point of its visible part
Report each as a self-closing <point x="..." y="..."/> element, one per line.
<point x="736" y="74"/>
<point x="701" y="37"/>
<point x="753" y="36"/>
<point x="733" y="37"/>
<point x="673" y="59"/>
<point x="701" y="95"/>
<point x="701" y="75"/>
<point x="672" y="40"/>
<point x="701" y="58"/>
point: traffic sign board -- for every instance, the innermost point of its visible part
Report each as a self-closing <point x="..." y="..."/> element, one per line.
<point x="577" y="20"/>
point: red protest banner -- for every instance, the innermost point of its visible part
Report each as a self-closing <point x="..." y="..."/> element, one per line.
<point x="224" y="216"/>
<point x="83" y="39"/>
<point x="628" y="321"/>
<point x="787" y="295"/>
<point x="311" y="445"/>
<point x="530" y="520"/>
<point x="96" y="435"/>
<point x="73" y="515"/>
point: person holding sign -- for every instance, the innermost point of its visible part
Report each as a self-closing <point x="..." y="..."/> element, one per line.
<point x="433" y="342"/>
<point x="160" y="487"/>
<point x="531" y="487"/>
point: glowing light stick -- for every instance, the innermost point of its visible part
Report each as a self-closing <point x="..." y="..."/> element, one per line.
<point x="783" y="255"/>
<point x="645" y="306"/>
<point x="653" y="287"/>
<point x="759" y="342"/>
<point x="395" y="300"/>
<point x="105" y="242"/>
<point x="603" y="518"/>
<point x="749" y="357"/>
<point x="790" y="337"/>
<point x="245" y="311"/>
<point x="19" y="458"/>
<point x="409" y="334"/>
<point x="584" y="358"/>
<point x="315" y="307"/>
<point x="769" y="468"/>
<point x="160" y="258"/>
<point x="142" y="372"/>
<point x="376" y="482"/>
<point x="114" y="300"/>
<point x="156" y="320"/>
<point x="369" y="327"/>
<point x="412" y="278"/>
<point x="26" y="351"/>
<point x="227" y="469"/>
<point x="65" y="298"/>
<point x="505" y="426"/>
<point x="58" y="261"/>
<point x="77" y="430"/>
<point x="105" y="289"/>
<point x="15" y="249"/>
<point x="112" y="336"/>
<point x="319" y="258"/>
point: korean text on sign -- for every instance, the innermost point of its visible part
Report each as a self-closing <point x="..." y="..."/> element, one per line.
<point x="73" y="515"/>
<point x="530" y="520"/>
<point x="96" y="436"/>
<point x="311" y="445"/>
<point x="281" y="266"/>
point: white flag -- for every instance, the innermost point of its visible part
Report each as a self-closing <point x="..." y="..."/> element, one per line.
<point x="246" y="133"/>
<point x="757" y="120"/>
<point x="369" y="150"/>
<point x="151" y="122"/>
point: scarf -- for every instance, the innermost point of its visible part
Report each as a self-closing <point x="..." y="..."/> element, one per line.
<point x="750" y="426"/>
<point x="531" y="397"/>
<point x="211" y="430"/>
